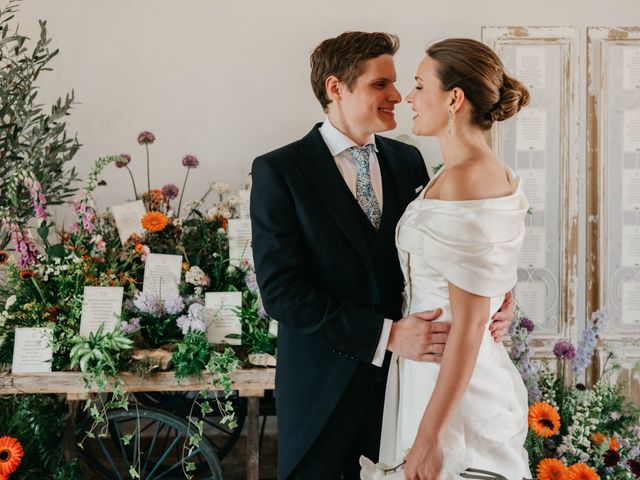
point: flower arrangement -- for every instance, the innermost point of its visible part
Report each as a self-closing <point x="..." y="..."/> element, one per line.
<point x="575" y="431"/>
<point x="44" y="285"/>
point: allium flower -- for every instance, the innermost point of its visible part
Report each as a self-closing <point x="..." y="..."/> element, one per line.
<point x="133" y="325"/>
<point x="146" y="138"/>
<point x="564" y="350"/>
<point x="190" y="161"/>
<point x="125" y="159"/>
<point x="154" y="221"/>
<point x="148" y="303"/>
<point x="170" y="191"/>
<point x="527" y="324"/>
<point x="174" y="305"/>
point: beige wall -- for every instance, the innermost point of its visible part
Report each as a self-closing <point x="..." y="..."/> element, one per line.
<point x="228" y="80"/>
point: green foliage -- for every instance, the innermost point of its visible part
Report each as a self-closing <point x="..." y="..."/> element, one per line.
<point x="255" y="327"/>
<point x="192" y="355"/>
<point x="37" y="422"/>
<point x="98" y="353"/>
<point x="30" y="138"/>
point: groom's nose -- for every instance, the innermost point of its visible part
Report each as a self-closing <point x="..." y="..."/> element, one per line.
<point x="394" y="95"/>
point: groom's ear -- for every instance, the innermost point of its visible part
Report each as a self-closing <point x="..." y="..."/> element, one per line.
<point x="334" y="88"/>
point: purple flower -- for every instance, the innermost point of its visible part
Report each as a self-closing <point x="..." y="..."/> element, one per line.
<point x="125" y="159"/>
<point x="174" y="305"/>
<point x="564" y="350"/>
<point x="38" y="199"/>
<point x="190" y="161"/>
<point x="194" y="321"/>
<point x="170" y="191"/>
<point x="588" y="339"/>
<point x="131" y="326"/>
<point x="527" y="324"/>
<point x="183" y="323"/>
<point x="148" y="303"/>
<point x="146" y="138"/>
<point x="24" y="245"/>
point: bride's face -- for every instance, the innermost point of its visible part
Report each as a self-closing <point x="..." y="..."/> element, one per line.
<point x="429" y="101"/>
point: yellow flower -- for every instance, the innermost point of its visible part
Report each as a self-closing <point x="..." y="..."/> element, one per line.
<point x="581" y="471"/>
<point x="552" y="469"/>
<point x="154" y="221"/>
<point x="543" y="419"/>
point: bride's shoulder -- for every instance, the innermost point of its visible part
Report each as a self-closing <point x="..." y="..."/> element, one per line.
<point x="475" y="180"/>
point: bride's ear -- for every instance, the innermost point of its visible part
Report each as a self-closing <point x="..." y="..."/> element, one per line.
<point x="456" y="99"/>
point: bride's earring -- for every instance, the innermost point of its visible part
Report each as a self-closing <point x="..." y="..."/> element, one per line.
<point x="450" y="122"/>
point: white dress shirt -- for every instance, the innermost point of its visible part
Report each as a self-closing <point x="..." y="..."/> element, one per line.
<point x="338" y="144"/>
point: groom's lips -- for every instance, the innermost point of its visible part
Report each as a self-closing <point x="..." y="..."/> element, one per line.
<point x="386" y="111"/>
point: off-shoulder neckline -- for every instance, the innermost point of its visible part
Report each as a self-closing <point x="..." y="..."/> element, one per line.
<point x="514" y="181"/>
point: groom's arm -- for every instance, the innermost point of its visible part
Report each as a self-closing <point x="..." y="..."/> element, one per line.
<point x="287" y="293"/>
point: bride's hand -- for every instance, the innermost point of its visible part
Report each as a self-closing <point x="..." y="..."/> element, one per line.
<point x="424" y="460"/>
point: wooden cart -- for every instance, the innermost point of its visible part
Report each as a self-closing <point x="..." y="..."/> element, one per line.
<point x="249" y="383"/>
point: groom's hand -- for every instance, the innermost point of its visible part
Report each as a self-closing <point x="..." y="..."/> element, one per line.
<point x="501" y="320"/>
<point x="417" y="337"/>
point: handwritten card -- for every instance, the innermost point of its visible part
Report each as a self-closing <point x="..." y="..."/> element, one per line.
<point x="240" y="241"/>
<point x="224" y="319"/>
<point x="100" y="306"/>
<point x="162" y="275"/>
<point x="32" y="350"/>
<point x="127" y="217"/>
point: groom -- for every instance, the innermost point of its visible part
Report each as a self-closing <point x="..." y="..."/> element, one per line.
<point x="324" y="211"/>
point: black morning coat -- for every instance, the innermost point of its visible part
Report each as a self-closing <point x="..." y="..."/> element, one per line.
<point x="326" y="275"/>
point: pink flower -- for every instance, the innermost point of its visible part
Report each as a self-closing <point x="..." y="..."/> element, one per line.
<point x="146" y="137"/>
<point x="125" y="159"/>
<point x="190" y="161"/>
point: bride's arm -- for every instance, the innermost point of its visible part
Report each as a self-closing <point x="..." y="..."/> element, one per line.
<point x="469" y="319"/>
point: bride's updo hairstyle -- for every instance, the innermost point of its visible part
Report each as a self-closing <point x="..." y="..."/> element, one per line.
<point x="476" y="69"/>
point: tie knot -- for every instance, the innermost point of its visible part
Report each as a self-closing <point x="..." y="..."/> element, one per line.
<point x="361" y="154"/>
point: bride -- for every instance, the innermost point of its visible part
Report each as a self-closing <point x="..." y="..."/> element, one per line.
<point x="458" y="244"/>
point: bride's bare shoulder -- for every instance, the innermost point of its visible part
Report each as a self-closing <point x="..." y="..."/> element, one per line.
<point x="475" y="180"/>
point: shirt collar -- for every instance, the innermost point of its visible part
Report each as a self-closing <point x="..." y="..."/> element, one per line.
<point x="337" y="141"/>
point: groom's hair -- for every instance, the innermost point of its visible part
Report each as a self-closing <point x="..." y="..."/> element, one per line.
<point x="343" y="56"/>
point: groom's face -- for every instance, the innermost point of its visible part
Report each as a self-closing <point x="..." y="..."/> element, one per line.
<point x="368" y="107"/>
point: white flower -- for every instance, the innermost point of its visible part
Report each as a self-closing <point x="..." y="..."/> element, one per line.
<point x="221" y="188"/>
<point x="10" y="302"/>
<point x="221" y="231"/>
<point x="224" y="211"/>
<point x="231" y="269"/>
<point x="212" y="212"/>
<point x="233" y="200"/>
<point x="195" y="276"/>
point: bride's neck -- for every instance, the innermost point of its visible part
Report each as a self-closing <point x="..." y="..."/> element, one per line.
<point x="460" y="146"/>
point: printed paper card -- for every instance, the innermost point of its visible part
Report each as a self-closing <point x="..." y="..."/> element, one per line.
<point x="100" y="306"/>
<point x="32" y="350"/>
<point x="127" y="217"/>
<point x="243" y="208"/>
<point x="224" y="319"/>
<point x="162" y="275"/>
<point x="240" y="241"/>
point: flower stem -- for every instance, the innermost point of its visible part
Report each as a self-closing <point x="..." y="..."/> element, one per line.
<point x="146" y="146"/>
<point x="35" y="283"/>
<point x="135" y="192"/>
<point x="182" y="191"/>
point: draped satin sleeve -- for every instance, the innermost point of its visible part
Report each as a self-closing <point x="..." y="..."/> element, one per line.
<point x="474" y="244"/>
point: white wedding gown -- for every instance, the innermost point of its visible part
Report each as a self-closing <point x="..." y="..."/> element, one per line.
<point x="473" y="244"/>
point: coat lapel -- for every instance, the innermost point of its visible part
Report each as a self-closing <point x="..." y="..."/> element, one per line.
<point x="318" y="165"/>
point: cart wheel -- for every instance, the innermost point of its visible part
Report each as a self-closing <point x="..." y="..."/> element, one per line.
<point x="155" y="448"/>
<point x="220" y="436"/>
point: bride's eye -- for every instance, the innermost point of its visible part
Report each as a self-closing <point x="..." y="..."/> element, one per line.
<point x="418" y="87"/>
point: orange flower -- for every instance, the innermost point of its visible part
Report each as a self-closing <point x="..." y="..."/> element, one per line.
<point x="4" y="257"/>
<point x="613" y="444"/>
<point x="552" y="469"/>
<point x="154" y="221"/>
<point x="11" y="454"/>
<point x="26" y="274"/>
<point x="581" y="471"/>
<point x="543" y="419"/>
<point x="138" y="248"/>
<point x="598" y="438"/>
